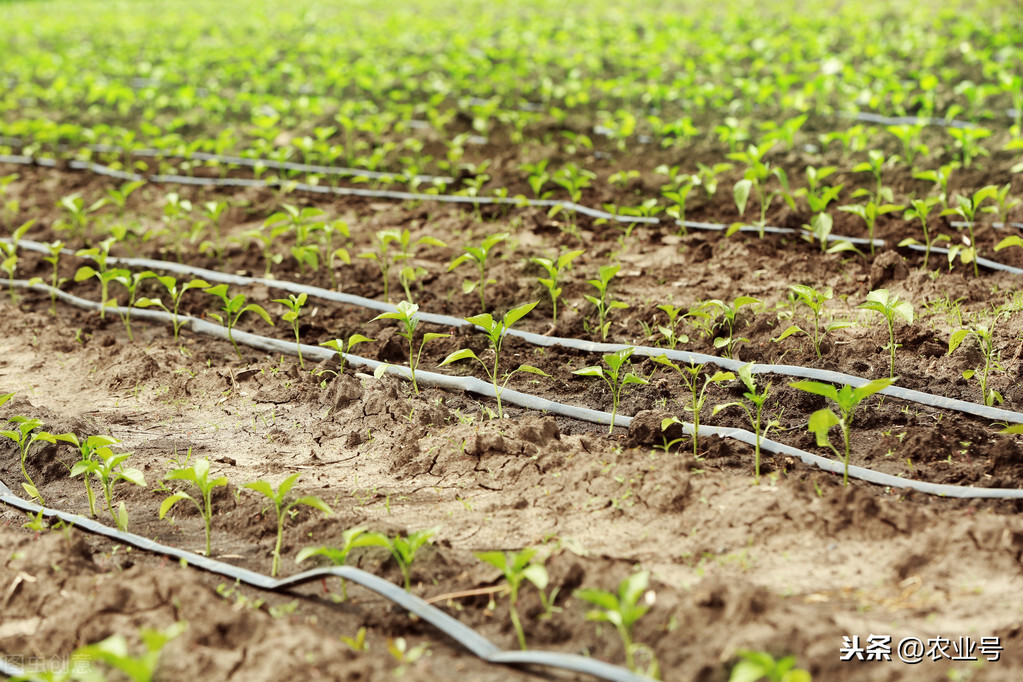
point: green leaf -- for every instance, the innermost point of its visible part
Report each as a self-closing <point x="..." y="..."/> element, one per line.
<point x="794" y="329"/>
<point x="817" y="388"/>
<point x="463" y="354"/>
<point x="261" y="487"/>
<point x="820" y="423"/>
<point x="166" y="505"/>
<point x="315" y="503"/>
<point x="871" y="388"/>
<point x="531" y="370"/>
<point x="594" y="371"/>
<point x="515" y="314"/>
<point x="741" y="193"/>
<point x="259" y="311"/>
<point x="958" y="336"/>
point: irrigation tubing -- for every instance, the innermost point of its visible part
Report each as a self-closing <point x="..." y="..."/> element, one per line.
<point x="471" y="640"/>
<point x="478" y="386"/>
<point x="688" y="357"/>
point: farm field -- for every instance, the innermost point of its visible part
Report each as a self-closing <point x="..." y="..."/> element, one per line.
<point x="442" y="291"/>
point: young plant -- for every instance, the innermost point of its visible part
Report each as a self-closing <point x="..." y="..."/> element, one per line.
<point x="294" y="305"/>
<point x="967" y="208"/>
<point x="517" y="567"/>
<point x="407" y="316"/>
<point x="234" y="308"/>
<point x="54" y="249"/>
<point x="479" y="255"/>
<point x="670" y="333"/>
<point x="1003" y="204"/>
<point x="758" y="665"/>
<point x="331" y="255"/>
<point x="614" y="377"/>
<point x="496" y="331"/>
<point x="888" y="305"/>
<point x="754" y="413"/>
<point x="847" y="399"/>
<point x="24" y="438"/>
<point x="554" y="270"/>
<point x="130" y="281"/>
<point x="109" y="469"/>
<point x="383" y="256"/>
<point x="920" y="209"/>
<point x="603" y="305"/>
<point x="281" y="508"/>
<point x="213" y="212"/>
<point x="113" y="653"/>
<point x="814" y="300"/>
<point x="87" y="450"/>
<point x="344" y="349"/>
<point x="869" y="212"/>
<point x="621" y="610"/>
<point x="985" y="337"/>
<point x="176" y="294"/>
<point x="875" y="163"/>
<point x="105" y="275"/>
<point x="199" y="476"/>
<point x="404" y="549"/>
<point x="758" y="173"/>
<point x="410" y="272"/>
<point x="9" y="256"/>
<point x="350" y="539"/>
<point x="77" y="214"/>
<point x="728" y="314"/>
<point x="697" y="394"/>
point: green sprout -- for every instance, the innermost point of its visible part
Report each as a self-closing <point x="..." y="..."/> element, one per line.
<point x="603" y="305"/>
<point x="404" y="549"/>
<point x="54" y="249"/>
<point x="24" y="437"/>
<point x="343" y="349"/>
<point x="814" y="300"/>
<point x="729" y="313"/>
<point x="130" y="281"/>
<point x="407" y="316"/>
<point x="887" y="304"/>
<point x="920" y="209"/>
<point x="350" y="539"/>
<point x="282" y="507"/>
<point x="554" y="270"/>
<point x="697" y="394"/>
<point x="614" y="377"/>
<point x="621" y="610"/>
<point x="756" y="177"/>
<point x="199" y="476"/>
<point x="755" y="414"/>
<point x="9" y="256"/>
<point x="869" y="212"/>
<point x="758" y="665"/>
<point x="847" y="399"/>
<point x="294" y="305"/>
<point x="105" y="275"/>
<point x="234" y="308"/>
<point x="496" y="331"/>
<point x="985" y="337"/>
<point x="113" y="652"/>
<point x="670" y="333"/>
<point x="967" y="209"/>
<point x="479" y="255"/>
<point x="176" y="294"/>
<point x="410" y="272"/>
<point x="87" y="451"/>
<point x="516" y="568"/>
<point x="109" y="469"/>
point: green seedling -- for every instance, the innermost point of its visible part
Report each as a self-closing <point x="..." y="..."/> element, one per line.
<point x="615" y="377"/>
<point x="113" y="652"/>
<point x="407" y="316"/>
<point x="330" y="254"/>
<point x="479" y="255"/>
<point x="109" y="469"/>
<point x="847" y="399"/>
<point x="1003" y="204"/>
<point x="24" y="438"/>
<point x="234" y="308"/>
<point x="130" y="281"/>
<point x="119" y="196"/>
<point x="199" y="476"/>
<point x="814" y="300"/>
<point x="303" y="221"/>
<point x="495" y="331"/>
<point x="358" y="642"/>
<point x="105" y="275"/>
<point x="819" y="195"/>
<point x="601" y="302"/>
<point x="213" y="212"/>
<point x="875" y="163"/>
<point x="940" y="177"/>
<point x="697" y="394"/>
<point x="77" y="214"/>
<point x="87" y="451"/>
<point x="919" y="210"/>
<point x="968" y="142"/>
<point x="281" y="508"/>
<point x="909" y="136"/>
<point x="294" y="305"/>
<point x="9" y="256"/>
<point x="343" y="349"/>
<point x="967" y="208"/>
<point x="554" y="270"/>
<point x="176" y="212"/>
<point x="755" y="413"/>
<point x="410" y="272"/>
<point x="405" y="656"/>
<point x="758" y="173"/>
<point x="670" y="333"/>
<point x="985" y="337"/>
<point x="869" y="212"/>
<point x="176" y="294"/>
<point x="404" y="550"/>
<point x="54" y="250"/>
<point x="621" y="610"/>
<point x="678" y="195"/>
<point x="350" y="539"/>
<point x="889" y="306"/>
<point x="537" y="177"/>
<point x="517" y="567"/>
<point x="728" y="314"/>
<point x="760" y="665"/>
<point x="383" y="256"/>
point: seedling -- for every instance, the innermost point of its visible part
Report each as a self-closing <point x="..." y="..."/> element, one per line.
<point x="1004" y="204"/>
<point x="759" y="665"/>
<point x="9" y="256"/>
<point x="383" y="257"/>
<point x="869" y="212"/>
<point x="985" y="337"/>
<point x="103" y="274"/>
<point x="622" y="609"/>
<point x="87" y="450"/>
<point x="670" y="333"/>
<point x="874" y="165"/>
<point x="940" y="178"/>
<point x="496" y="331"/>
<point x="77" y="214"/>
<point x="697" y="394"/>
<point x="755" y="413"/>
<point x="213" y="211"/>
<point x="54" y="249"/>
<point x="24" y="438"/>
<point x="479" y="255"/>
<point x="176" y="211"/>
<point x="516" y="568"/>
<point x="603" y="305"/>
<point x="350" y="539"/>
<point x="968" y="142"/>
<point x="407" y="316"/>
<point x="554" y="270"/>
<point x="920" y="209"/>
<point x="282" y="507"/>
<point x="405" y="656"/>
<point x="234" y="308"/>
<point x="614" y="377"/>
<point x="410" y="272"/>
<point x="728" y="314"/>
<point x="109" y="469"/>
<point x="119" y="196"/>
<point x="967" y="208"/>
<point x="266" y="241"/>
<point x="888" y="304"/>
<point x="294" y="305"/>
<point x="344" y="349"/>
<point x="847" y="399"/>
<point x="113" y="653"/>
<point x="176" y="294"/>
<point x="814" y="300"/>
<point x="130" y="281"/>
<point x="330" y="254"/>
<point x="758" y="173"/>
<point x="404" y="550"/>
<point x="199" y="476"/>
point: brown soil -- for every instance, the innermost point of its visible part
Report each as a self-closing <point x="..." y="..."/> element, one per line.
<point x="788" y="566"/>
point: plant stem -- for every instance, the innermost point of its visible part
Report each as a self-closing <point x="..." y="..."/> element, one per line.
<point x="91" y="495"/>
<point x="630" y="660"/>
<point x="277" y="547"/>
<point x="513" y="612"/>
<point x="110" y="503"/>
<point x="208" y="518"/>
<point x="846" y="428"/>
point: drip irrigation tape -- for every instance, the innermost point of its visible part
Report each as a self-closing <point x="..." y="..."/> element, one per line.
<point x="471" y="640"/>
<point x="930" y="400"/>
<point x="717" y="227"/>
<point x="525" y="400"/>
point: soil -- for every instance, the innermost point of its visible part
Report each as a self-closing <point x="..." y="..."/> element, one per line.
<point x="791" y="565"/>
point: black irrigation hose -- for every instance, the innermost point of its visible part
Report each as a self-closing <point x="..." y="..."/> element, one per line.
<point x="480" y="387"/>
<point x="474" y="642"/>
